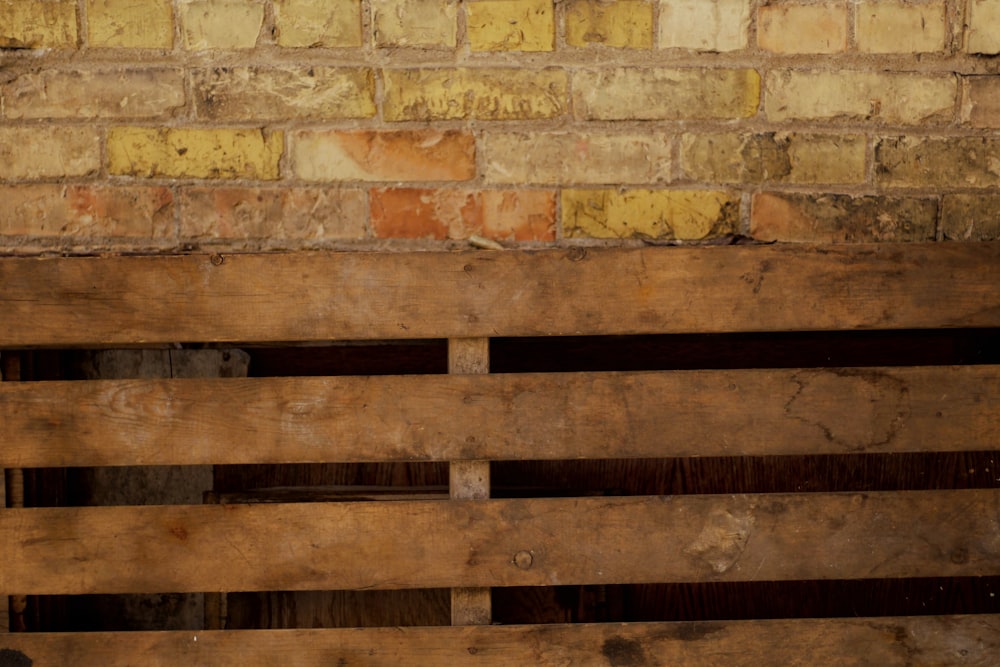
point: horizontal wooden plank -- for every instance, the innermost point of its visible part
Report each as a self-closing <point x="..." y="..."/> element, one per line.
<point x="325" y="296"/>
<point x="924" y="641"/>
<point x="518" y="416"/>
<point x="479" y="543"/>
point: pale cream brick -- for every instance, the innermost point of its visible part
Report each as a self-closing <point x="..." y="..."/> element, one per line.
<point x="901" y="98"/>
<point x="971" y="217"/>
<point x="221" y="24"/>
<point x="983" y="34"/>
<point x="148" y="24"/>
<point x="981" y="103"/>
<point x="482" y="93"/>
<point x="938" y="162"/>
<point x="38" y="24"/>
<point x="415" y="23"/>
<point x="276" y="93"/>
<point x="124" y="93"/>
<point x="511" y="25"/>
<point x="795" y="28"/>
<point x="704" y="25"/>
<point x="897" y="27"/>
<point x="48" y="152"/>
<point x="622" y="24"/>
<point x="689" y="215"/>
<point x="318" y="23"/>
<point x="665" y="94"/>
<point x="577" y="157"/>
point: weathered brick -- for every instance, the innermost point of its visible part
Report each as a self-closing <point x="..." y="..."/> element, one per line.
<point x="622" y="24"/>
<point x="896" y="98"/>
<point x="983" y="32"/>
<point x="971" y="217"/>
<point x="771" y="157"/>
<point x="48" y="152"/>
<point x="415" y="23"/>
<point x="688" y="215"/>
<point x="513" y="215"/>
<point x="37" y="24"/>
<point x="511" y="25"/>
<point x="287" y="213"/>
<point x="938" y="162"/>
<point x="892" y="26"/>
<point x="365" y="155"/>
<point x="131" y="24"/>
<point x="981" y="103"/>
<point x="795" y="28"/>
<point x="220" y="24"/>
<point x="665" y="94"/>
<point x="194" y="153"/>
<point x="251" y="93"/>
<point x="557" y="158"/>
<point x="123" y="93"/>
<point x="704" y="25"/>
<point x="482" y="93"/>
<point x="87" y="210"/>
<point x="318" y="23"/>
<point x="833" y="218"/>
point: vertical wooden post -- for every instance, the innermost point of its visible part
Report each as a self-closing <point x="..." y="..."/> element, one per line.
<point x="469" y="480"/>
<point x="12" y="495"/>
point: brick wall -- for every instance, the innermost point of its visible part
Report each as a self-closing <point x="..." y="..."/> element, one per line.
<point x="173" y="124"/>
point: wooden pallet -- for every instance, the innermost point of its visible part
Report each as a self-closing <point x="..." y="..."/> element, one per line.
<point x="469" y="542"/>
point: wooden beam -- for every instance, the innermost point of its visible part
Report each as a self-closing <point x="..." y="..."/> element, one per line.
<point x="470" y="479"/>
<point x="126" y="300"/>
<point x="12" y="609"/>
<point x="479" y="543"/>
<point x="495" y="417"/>
<point x="924" y="641"/>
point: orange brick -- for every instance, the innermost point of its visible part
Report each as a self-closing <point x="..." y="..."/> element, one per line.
<point x="513" y="215"/>
<point x="366" y="155"/>
<point x="48" y="152"/>
<point x="86" y="210"/>
<point x="248" y="213"/>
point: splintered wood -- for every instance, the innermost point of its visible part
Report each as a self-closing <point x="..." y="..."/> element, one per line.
<point x="469" y="480"/>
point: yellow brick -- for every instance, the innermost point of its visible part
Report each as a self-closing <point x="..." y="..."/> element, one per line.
<point x="128" y="93"/>
<point x="896" y="27"/>
<point x="48" y="152"/>
<point x="194" y="153"/>
<point x="318" y="23"/>
<point x="487" y="94"/>
<point x="127" y="23"/>
<point x="511" y="25"/>
<point x="983" y="34"/>
<point x="415" y="23"/>
<point x="38" y="24"/>
<point x="704" y="25"/>
<point x="221" y="24"/>
<point x="593" y="157"/>
<point x="793" y="28"/>
<point x="623" y="24"/>
<point x="890" y="98"/>
<point x="665" y="94"/>
<point x="688" y="215"/>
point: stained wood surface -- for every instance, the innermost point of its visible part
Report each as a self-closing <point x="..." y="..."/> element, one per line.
<point x="973" y="641"/>
<point x="521" y="416"/>
<point x="479" y="543"/>
<point x="324" y="296"/>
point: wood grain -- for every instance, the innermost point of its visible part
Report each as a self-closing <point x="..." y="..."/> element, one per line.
<point x="327" y="296"/>
<point x="494" y="417"/>
<point x="973" y="641"/>
<point x="479" y="543"/>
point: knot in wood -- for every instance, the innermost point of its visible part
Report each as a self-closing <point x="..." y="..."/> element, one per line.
<point x="523" y="560"/>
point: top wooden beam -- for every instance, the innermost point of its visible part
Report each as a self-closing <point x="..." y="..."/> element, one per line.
<point x="577" y="291"/>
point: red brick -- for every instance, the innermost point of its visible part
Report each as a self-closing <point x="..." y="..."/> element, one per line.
<point x="85" y="210"/>
<point x="518" y="215"/>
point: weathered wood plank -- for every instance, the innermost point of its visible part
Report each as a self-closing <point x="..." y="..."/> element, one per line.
<point x="479" y="543"/>
<point x="324" y="296"/>
<point x="520" y="416"/>
<point x="863" y="642"/>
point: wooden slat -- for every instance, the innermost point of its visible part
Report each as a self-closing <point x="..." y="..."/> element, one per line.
<point x="322" y="296"/>
<point x="530" y="416"/>
<point x="479" y="543"/>
<point x="973" y="641"/>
